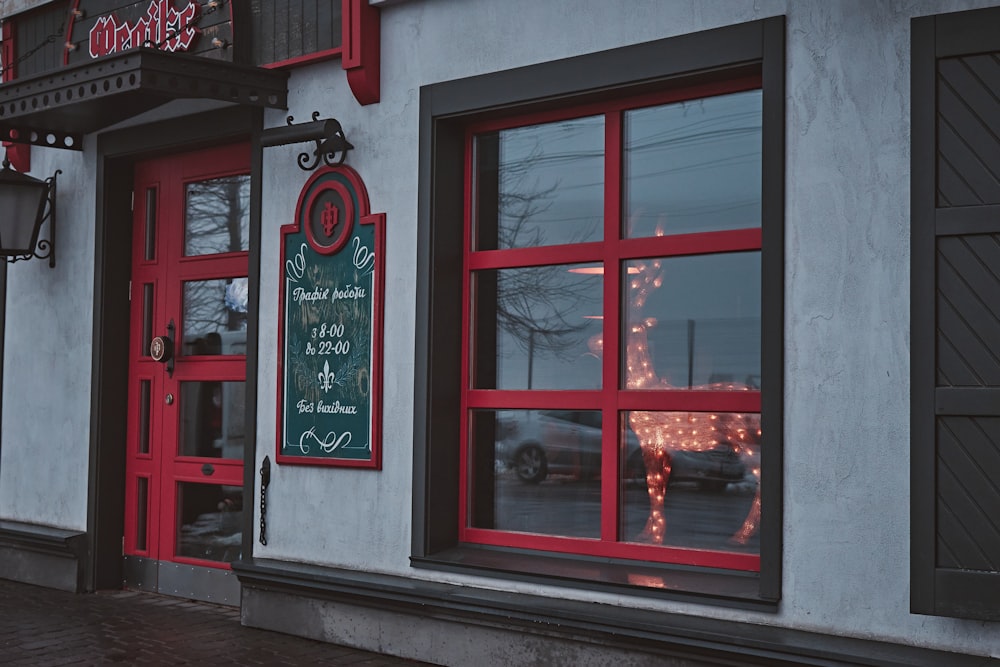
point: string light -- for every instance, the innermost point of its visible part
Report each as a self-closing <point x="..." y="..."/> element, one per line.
<point x="662" y="432"/>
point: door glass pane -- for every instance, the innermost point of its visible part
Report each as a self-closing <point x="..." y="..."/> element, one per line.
<point x="147" y="318"/>
<point x="536" y="471"/>
<point x="212" y="419"/>
<point x="691" y="479"/>
<point x="540" y="185"/>
<point x="144" y="409"/>
<point x="693" y="166"/>
<point x="538" y="327"/>
<point x="215" y="317"/>
<point x="692" y="322"/>
<point x="141" y="512"/>
<point x="150" y="226"/>
<point x="217" y="216"/>
<point x="210" y="521"/>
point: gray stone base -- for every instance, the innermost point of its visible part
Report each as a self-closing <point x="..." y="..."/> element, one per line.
<point x="447" y="624"/>
<point x="41" y="555"/>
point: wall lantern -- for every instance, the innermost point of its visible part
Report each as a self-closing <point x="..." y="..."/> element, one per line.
<point x="25" y="203"/>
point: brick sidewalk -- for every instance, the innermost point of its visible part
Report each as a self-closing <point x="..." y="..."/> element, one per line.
<point x="39" y="626"/>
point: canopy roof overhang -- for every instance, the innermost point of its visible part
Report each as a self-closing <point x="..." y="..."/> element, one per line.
<point x="56" y="109"/>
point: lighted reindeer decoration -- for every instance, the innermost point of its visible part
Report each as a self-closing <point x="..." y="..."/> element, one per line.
<point x="660" y="433"/>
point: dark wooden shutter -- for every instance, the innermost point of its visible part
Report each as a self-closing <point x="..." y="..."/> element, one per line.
<point x="955" y="309"/>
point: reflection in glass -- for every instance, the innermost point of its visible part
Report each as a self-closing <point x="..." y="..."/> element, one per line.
<point x="150" y="227"/>
<point x="217" y="216"/>
<point x="145" y="397"/>
<point x="147" y="318"/>
<point x="700" y="487"/>
<point x="693" y="166"/>
<point x="536" y="327"/>
<point x="692" y="322"/>
<point x="540" y="185"/>
<point x="210" y="518"/>
<point x="536" y="471"/>
<point x="211" y="421"/>
<point x="141" y="512"/>
<point x="215" y="316"/>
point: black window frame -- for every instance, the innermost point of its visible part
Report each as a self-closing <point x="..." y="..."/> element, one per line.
<point x="446" y="110"/>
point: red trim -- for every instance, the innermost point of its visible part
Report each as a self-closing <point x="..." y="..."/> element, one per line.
<point x="307" y="59"/>
<point x="19" y="154"/>
<point x="365" y="217"/>
<point x="604" y="549"/>
<point x="9" y="50"/>
<point x="162" y="465"/>
<point x="362" y="49"/>
<point x="71" y="19"/>
<point x="346" y="225"/>
<point x="613" y="401"/>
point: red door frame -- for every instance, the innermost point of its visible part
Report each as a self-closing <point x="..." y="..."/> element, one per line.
<point x="159" y="189"/>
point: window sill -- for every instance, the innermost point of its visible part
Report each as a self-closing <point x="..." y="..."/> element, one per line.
<point x="726" y="588"/>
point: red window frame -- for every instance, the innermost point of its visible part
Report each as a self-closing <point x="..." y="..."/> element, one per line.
<point x="613" y="399"/>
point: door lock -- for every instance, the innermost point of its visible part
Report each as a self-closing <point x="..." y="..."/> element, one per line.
<point x="169" y="399"/>
<point x="161" y="349"/>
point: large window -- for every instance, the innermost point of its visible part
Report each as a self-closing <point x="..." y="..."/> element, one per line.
<point x="599" y="349"/>
<point x="613" y="292"/>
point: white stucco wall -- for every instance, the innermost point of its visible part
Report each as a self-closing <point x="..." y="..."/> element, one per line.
<point x="45" y="436"/>
<point x="846" y="535"/>
<point x="846" y="429"/>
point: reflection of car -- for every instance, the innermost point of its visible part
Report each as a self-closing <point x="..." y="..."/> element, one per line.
<point x="712" y="469"/>
<point x="560" y="442"/>
<point x="568" y="442"/>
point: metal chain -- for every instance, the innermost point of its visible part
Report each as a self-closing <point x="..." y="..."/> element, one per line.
<point x="32" y="51"/>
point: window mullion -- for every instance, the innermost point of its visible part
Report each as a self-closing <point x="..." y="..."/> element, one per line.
<point x="610" y="465"/>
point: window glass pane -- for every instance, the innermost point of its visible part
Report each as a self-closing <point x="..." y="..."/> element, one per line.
<point x="692" y="322"/>
<point x="693" y="166"/>
<point x="538" y="327"/>
<point x="215" y="316"/>
<point x="536" y="471"/>
<point x="212" y="416"/>
<point x="210" y="518"/>
<point x="700" y="479"/>
<point x="217" y="216"/>
<point x="540" y="185"/>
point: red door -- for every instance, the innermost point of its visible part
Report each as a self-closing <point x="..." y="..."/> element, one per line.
<point x="184" y="469"/>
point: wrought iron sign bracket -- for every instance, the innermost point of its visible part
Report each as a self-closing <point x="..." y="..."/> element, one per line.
<point x="328" y="135"/>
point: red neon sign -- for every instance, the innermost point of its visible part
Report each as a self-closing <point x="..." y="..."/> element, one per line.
<point x="163" y="27"/>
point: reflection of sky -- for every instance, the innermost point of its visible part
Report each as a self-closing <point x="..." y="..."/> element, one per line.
<point x="694" y="166"/>
<point x="552" y="182"/>
<point x="690" y="167"/>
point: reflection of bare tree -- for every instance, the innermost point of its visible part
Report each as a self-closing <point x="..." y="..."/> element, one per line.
<point x="216" y="221"/>
<point x="217" y="218"/>
<point x="538" y="306"/>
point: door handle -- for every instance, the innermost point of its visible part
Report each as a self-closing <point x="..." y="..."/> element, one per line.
<point x="207" y="469"/>
<point x="161" y="349"/>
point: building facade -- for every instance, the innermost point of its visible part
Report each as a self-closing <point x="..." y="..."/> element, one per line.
<point x="521" y="333"/>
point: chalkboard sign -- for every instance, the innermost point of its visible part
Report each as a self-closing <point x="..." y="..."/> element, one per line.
<point x="330" y="337"/>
